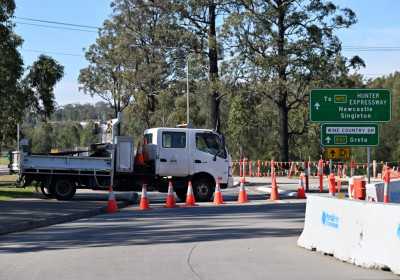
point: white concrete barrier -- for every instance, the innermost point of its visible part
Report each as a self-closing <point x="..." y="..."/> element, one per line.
<point x="374" y="191"/>
<point x="358" y="232"/>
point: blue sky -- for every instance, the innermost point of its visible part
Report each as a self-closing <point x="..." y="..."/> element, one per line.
<point x="84" y="12"/>
<point x="378" y="26"/>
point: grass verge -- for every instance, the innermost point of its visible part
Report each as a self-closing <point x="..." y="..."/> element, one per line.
<point x="4" y="161"/>
<point x="9" y="193"/>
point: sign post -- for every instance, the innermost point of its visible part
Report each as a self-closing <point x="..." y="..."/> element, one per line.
<point x="369" y="164"/>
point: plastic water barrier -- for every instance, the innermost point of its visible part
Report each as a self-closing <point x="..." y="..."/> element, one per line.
<point x="358" y="232"/>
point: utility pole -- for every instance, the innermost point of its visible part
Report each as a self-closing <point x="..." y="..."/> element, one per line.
<point x="187" y="91"/>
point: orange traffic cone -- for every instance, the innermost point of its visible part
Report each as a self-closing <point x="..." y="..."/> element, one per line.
<point x="332" y="184"/>
<point x="218" y="200"/>
<point x="170" y="202"/>
<point x="139" y="159"/>
<point x="190" y="200"/>
<point x="274" y="190"/>
<point x="144" y="201"/>
<point x="112" y="206"/>
<point x="242" y="193"/>
<point x="300" y="191"/>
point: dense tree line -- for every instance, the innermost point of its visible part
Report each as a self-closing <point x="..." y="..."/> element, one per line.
<point x="251" y="65"/>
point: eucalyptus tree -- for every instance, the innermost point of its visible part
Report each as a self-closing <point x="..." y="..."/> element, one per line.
<point x="202" y="19"/>
<point x="42" y="77"/>
<point x="12" y="99"/>
<point x="134" y="58"/>
<point x="283" y="48"/>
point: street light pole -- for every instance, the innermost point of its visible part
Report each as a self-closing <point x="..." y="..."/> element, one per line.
<point x="187" y="90"/>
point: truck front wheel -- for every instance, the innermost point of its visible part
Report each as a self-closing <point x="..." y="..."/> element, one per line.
<point x="203" y="189"/>
<point x="63" y="189"/>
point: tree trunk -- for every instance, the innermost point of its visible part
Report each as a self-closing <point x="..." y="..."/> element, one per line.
<point x="283" y="132"/>
<point x="214" y="122"/>
<point x="282" y="90"/>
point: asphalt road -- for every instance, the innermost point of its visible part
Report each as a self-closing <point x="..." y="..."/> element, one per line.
<point x="252" y="241"/>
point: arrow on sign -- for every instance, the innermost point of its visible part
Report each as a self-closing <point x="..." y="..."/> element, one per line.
<point x="328" y="140"/>
<point x="317" y="105"/>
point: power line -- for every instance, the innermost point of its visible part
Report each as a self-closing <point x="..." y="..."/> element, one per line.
<point x="58" y="22"/>
<point x="51" y="52"/>
<point x="372" y="48"/>
<point x="55" y="27"/>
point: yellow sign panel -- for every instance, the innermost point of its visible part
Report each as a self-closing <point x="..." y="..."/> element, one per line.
<point x="337" y="153"/>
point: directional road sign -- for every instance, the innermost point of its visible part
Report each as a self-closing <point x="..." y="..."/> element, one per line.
<point x="339" y="135"/>
<point x="350" y="105"/>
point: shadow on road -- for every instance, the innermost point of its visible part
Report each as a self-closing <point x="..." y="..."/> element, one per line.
<point x="160" y="226"/>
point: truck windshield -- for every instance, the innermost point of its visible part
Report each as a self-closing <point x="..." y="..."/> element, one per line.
<point x="210" y="143"/>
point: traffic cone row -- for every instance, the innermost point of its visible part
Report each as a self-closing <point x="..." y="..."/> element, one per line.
<point x="170" y="202"/>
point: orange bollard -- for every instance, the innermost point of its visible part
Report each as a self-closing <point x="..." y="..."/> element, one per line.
<point x="321" y="175"/>
<point x="332" y="184"/>
<point x="307" y="174"/>
<point x="386" y="179"/>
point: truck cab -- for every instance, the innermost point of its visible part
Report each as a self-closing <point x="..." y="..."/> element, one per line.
<point x="186" y="154"/>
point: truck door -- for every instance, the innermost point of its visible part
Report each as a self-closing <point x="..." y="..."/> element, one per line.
<point x="209" y="155"/>
<point x="173" y="154"/>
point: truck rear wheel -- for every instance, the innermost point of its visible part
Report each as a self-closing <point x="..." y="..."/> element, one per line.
<point x="203" y="189"/>
<point x="44" y="188"/>
<point x="63" y="189"/>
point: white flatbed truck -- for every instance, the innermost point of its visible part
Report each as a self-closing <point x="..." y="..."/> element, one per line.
<point x="179" y="154"/>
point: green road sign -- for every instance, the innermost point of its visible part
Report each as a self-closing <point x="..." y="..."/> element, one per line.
<point x="350" y="105"/>
<point x="341" y="134"/>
